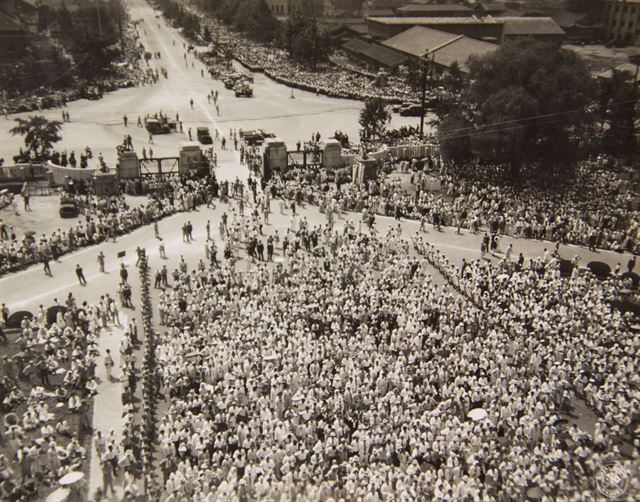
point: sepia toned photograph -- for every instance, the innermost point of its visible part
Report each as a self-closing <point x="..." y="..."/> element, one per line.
<point x="319" y="250"/>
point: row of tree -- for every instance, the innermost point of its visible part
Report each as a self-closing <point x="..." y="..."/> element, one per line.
<point x="299" y="34"/>
<point x="83" y="43"/>
<point x="178" y="14"/>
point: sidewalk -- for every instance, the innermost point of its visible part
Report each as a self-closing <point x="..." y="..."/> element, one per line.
<point x="107" y="404"/>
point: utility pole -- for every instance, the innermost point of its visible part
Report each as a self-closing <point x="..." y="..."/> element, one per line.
<point x="99" y="19"/>
<point x="424" y="91"/>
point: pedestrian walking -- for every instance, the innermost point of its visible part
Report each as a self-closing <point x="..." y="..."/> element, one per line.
<point x="155" y="229"/>
<point x="161" y="250"/>
<point x="124" y="274"/>
<point x="125" y="120"/>
<point x="191" y="103"/>
<point x="107" y="480"/>
<point x="101" y="261"/>
<point x="80" y="275"/>
<point x="208" y="227"/>
<point x="45" y="264"/>
<point x="108" y="364"/>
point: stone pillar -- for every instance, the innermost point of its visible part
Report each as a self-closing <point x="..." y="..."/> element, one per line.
<point x="332" y="155"/>
<point x="128" y="166"/>
<point x="190" y="158"/>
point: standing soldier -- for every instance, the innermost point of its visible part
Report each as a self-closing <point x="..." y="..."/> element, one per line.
<point x="80" y="275"/>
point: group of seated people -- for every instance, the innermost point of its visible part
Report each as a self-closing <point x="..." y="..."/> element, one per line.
<point x="347" y="372"/>
<point x="45" y="391"/>
<point x="102" y="218"/>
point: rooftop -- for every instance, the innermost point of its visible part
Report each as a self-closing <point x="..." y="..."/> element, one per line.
<point x="376" y="52"/>
<point x="512" y="25"/>
<point x="434" y="8"/>
<point x="532" y="26"/>
<point x="445" y="47"/>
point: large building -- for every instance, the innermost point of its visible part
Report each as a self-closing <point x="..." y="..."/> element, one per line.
<point x="622" y="21"/>
<point x="13" y="38"/>
<point x="492" y="29"/>
<point x="442" y="48"/>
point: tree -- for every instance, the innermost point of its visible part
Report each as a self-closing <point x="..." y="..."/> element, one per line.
<point x="455" y="144"/>
<point x="39" y="134"/>
<point x="374" y="118"/>
<point x="528" y="102"/>
<point x="255" y="18"/>
<point x="304" y="40"/>
<point x="620" y="114"/>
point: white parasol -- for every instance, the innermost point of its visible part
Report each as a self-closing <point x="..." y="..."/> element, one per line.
<point x="71" y="478"/>
<point x="60" y="495"/>
<point x="477" y="414"/>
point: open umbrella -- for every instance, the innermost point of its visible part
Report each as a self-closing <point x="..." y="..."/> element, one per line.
<point x="60" y="495"/>
<point x="71" y="478"/>
<point x="600" y="269"/>
<point x="477" y="414"/>
<point x="16" y="318"/>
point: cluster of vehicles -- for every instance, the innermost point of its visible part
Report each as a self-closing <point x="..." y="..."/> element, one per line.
<point x="240" y="84"/>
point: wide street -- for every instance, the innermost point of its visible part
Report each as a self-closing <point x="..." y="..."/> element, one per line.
<point x="99" y="124"/>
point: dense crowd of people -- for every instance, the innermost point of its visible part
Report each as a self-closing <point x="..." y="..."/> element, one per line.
<point x="103" y="218"/>
<point x="596" y="211"/>
<point x="346" y="372"/>
<point x="45" y="396"/>
<point x="327" y="79"/>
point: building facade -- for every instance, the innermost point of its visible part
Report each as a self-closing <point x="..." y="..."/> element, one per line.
<point x="279" y="7"/>
<point x="622" y="21"/>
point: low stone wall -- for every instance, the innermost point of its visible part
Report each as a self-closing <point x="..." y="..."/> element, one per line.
<point x="23" y="172"/>
<point x="59" y="174"/>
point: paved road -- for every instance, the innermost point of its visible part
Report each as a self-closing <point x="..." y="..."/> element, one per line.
<point x="98" y="124"/>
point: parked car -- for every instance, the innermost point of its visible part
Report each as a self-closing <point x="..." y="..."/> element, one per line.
<point x="397" y="108"/>
<point x="203" y="135"/>
<point x="68" y="209"/>
<point x="412" y="110"/>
